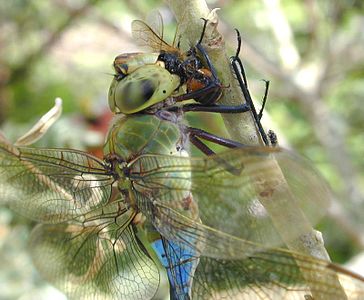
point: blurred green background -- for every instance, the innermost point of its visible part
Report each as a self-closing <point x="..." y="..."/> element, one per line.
<point x="311" y="51"/>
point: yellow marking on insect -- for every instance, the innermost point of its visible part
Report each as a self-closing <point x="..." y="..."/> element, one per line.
<point x="161" y="64"/>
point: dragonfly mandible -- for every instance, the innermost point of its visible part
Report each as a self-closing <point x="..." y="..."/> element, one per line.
<point x="107" y="225"/>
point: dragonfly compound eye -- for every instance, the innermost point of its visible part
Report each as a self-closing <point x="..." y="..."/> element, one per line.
<point x="141" y="89"/>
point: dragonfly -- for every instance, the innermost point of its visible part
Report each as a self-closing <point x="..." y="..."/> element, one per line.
<point x="113" y="228"/>
<point x="99" y="218"/>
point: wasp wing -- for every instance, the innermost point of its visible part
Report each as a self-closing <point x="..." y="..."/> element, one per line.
<point x="145" y="36"/>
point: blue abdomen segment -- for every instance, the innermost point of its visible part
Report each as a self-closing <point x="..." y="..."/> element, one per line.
<point x="180" y="262"/>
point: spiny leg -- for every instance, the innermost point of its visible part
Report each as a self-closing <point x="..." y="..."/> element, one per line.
<point x="196" y="134"/>
<point x="265" y="97"/>
<point x="201" y="146"/>
<point x="240" y="74"/>
<point x="202" y="134"/>
<point x="213" y="108"/>
<point x="203" y="52"/>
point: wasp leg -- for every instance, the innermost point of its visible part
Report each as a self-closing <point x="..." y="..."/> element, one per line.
<point x="208" y="60"/>
<point x="203" y="52"/>
<point x="240" y="74"/>
<point x="212" y="92"/>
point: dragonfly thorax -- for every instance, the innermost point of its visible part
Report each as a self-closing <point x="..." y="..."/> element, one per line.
<point x="134" y="135"/>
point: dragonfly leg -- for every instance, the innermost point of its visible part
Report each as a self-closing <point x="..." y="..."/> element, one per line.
<point x="201" y="145"/>
<point x="260" y="114"/>
<point x="214" y="108"/>
<point x="240" y="74"/>
<point x="196" y="132"/>
<point x="194" y="137"/>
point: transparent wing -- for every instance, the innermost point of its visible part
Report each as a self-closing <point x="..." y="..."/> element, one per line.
<point x="155" y="22"/>
<point x="230" y="231"/>
<point x="52" y="185"/>
<point x="227" y="189"/>
<point x="99" y="258"/>
<point x="274" y="274"/>
<point x="233" y="268"/>
<point x="144" y="36"/>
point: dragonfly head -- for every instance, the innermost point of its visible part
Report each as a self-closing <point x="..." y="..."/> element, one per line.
<point x="146" y="86"/>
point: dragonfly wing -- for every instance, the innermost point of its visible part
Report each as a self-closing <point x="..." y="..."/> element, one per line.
<point x="273" y="274"/>
<point x="52" y="185"/>
<point x="233" y="268"/>
<point x="227" y="188"/>
<point x="99" y="258"/>
<point x="230" y="230"/>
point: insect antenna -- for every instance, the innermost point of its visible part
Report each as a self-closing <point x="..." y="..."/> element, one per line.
<point x="203" y="30"/>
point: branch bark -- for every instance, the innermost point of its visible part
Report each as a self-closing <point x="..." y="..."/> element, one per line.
<point x="281" y="207"/>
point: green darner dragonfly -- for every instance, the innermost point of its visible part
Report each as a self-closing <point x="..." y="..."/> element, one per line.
<point x="102" y="219"/>
<point x="95" y="244"/>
